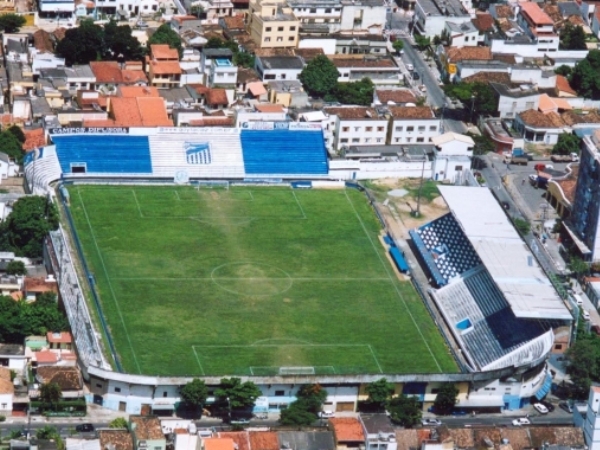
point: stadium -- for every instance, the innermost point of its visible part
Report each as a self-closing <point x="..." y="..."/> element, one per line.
<point x="149" y="175"/>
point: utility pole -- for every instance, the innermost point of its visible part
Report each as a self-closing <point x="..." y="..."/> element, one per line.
<point x="418" y="211"/>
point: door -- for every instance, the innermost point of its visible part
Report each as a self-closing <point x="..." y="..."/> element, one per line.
<point x="344" y="407"/>
<point x="122" y="406"/>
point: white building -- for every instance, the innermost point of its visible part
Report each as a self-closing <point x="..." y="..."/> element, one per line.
<point x="354" y="125"/>
<point x="366" y="15"/>
<point x="318" y="14"/>
<point x="279" y="67"/>
<point x="512" y="101"/>
<point x="591" y="426"/>
<point x="430" y="16"/>
<point x="7" y="392"/>
<point x="453" y="144"/>
<point x="462" y="34"/>
<point x="412" y="125"/>
<point x="8" y="168"/>
<point x="217" y="67"/>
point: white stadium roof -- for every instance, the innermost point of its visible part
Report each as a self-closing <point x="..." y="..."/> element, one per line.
<point x="505" y="255"/>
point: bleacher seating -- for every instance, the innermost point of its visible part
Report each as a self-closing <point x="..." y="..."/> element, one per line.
<point x="443" y="243"/>
<point x="43" y="170"/>
<point x="284" y="152"/>
<point x="222" y="156"/>
<point x="495" y="331"/>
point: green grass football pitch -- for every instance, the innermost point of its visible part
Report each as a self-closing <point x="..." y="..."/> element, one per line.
<point x="247" y="280"/>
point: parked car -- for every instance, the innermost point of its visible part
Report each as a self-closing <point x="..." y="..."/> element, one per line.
<point x="410" y="67"/>
<point x="549" y="406"/>
<point x="540" y="408"/>
<point x="521" y="421"/>
<point x="415" y="75"/>
<point x="566" y="406"/>
<point x="84" y="428"/>
<point x="326" y="414"/>
<point x="585" y="315"/>
<point x="431" y="422"/>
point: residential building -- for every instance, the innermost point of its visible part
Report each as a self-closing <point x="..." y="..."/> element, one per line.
<point x="394" y="97"/>
<point x="147" y="433"/>
<point x="115" y="439"/>
<point x="323" y="16"/>
<point x="366" y="16"/>
<point x="378" y="431"/>
<point x="59" y="340"/>
<point x="354" y="125"/>
<point x="512" y="101"/>
<point x="279" y="67"/>
<point x="12" y="356"/>
<point x="453" y="144"/>
<point x="348" y="432"/>
<point x="430" y="16"/>
<point x="218" y="68"/>
<point x="463" y="34"/>
<point x="450" y="56"/>
<point x="109" y="75"/>
<point x="163" y="66"/>
<point x="68" y="378"/>
<point x="34" y="287"/>
<point x="505" y="138"/>
<point x="288" y="93"/>
<point x="538" y="25"/>
<point x="57" y="12"/>
<point x="382" y="71"/>
<point x="215" y="9"/>
<point x="272" y="24"/>
<point x="7" y="391"/>
<point x="8" y="168"/>
<point x="74" y="443"/>
<point x="585" y="213"/>
<point x="305" y="440"/>
<point x="412" y="125"/>
<point x="537" y="127"/>
<point x="591" y="426"/>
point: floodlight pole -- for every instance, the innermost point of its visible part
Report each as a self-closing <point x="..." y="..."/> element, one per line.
<point x="421" y="187"/>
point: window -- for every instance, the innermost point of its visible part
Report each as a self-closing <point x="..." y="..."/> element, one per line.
<point x="356" y="128"/>
<point x="292" y="28"/>
<point x="397" y="140"/>
<point x="164" y="394"/>
<point x="313" y="10"/>
<point x="117" y="389"/>
<point x="369" y="129"/>
<point x="279" y="393"/>
<point x="410" y="129"/>
<point x="327" y="10"/>
<point x="421" y="129"/>
<point x="268" y="29"/>
<point x="344" y="141"/>
<point x="379" y="140"/>
<point x="99" y="385"/>
<point x="399" y="128"/>
<point x="420" y="139"/>
<point x="380" y="129"/>
<point x="291" y="38"/>
<point x="367" y="140"/>
<point x="433" y="128"/>
<point x="529" y="105"/>
<point x="355" y="140"/>
<point x="408" y="140"/>
<point x="267" y="39"/>
<point x="514" y="105"/>
<point x="280" y="39"/>
<point x="345" y="129"/>
<point x="279" y="28"/>
<point x="283" y="76"/>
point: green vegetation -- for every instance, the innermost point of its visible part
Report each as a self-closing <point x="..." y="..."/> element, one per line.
<point x="16" y="268"/>
<point x="238" y="395"/>
<point x="25" y="228"/>
<point x="583" y="361"/>
<point x="445" y="399"/>
<point x="572" y="37"/>
<point x="10" y="144"/>
<point x="584" y="78"/>
<point x="194" y="394"/>
<point x="166" y="35"/>
<point x="429" y="191"/>
<point x="379" y="392"/>
<point x="119" y="422"/>
<point x="563" y="70"/>
<point x="522" y="226"/>
<point x="405" y="411"/>
<point x="240" y="58"/>
<point x="478" y="98"/>
<point x="10" y="23"/>
<point x="567" y="144"/>
<point x="422" y="42"/>
<point x="305" y="410"/>
<point x="483" y="143"/>
<point x="398" y="45"/>
<point x="51" y="394"/>
<point x="244" y="281"/>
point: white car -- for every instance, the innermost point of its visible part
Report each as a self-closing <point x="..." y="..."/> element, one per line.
<point x="585" y="315"/>
<point x="520" y="422"/>
<point x="326" y="414"/>
<point x="431" y="422"/>
<point x="410" y="67"/>
<point x="540" y="408"/>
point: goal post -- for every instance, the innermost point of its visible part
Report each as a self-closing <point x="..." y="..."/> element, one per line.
<point x="298" y="370"/>
<point x="211" y="184"/>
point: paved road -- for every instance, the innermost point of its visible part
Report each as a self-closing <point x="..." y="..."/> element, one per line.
<point x="435" y="95"/>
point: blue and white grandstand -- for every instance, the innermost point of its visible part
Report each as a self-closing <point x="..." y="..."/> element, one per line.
<point x="189" y="153"/>
<point x="498" y="304"/>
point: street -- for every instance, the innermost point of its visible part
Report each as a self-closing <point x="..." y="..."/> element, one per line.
<point x="435" y="95"/>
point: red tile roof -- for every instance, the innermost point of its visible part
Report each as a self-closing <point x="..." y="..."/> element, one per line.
<point x="164" y="53"/>
<point x="133" y="76"/>
<point x="165" y="67"/>
<point x="208" y="121"/>
<point x="35" y="138"/>
<point x="412" y="112"/>
<point x="43" y="42"/>
<point x="68" y="378"/>
<point x="395" y="96"/>
<point x="483" y="22"/>
<point x="538" y="119"/>
<point x="347" y="429"/>
<point x="64" y="337"/>
<point x="563" y="85"/>
<point x="360" y="62"/>
<point x="269" y="108"/>
<point x="217" y="97"/>
<point x="218" y="444"/>
<point x="46" y="357"/>
<point x="234" y="22"/>
<point x="456" y="54"/>
<point x="139" y="111"/>
<point x="106" y="71"/>
<point x="138" y="91"/>
<point x="264" y="440"/>
<point x="241" y="439"/>
<point x="535" y="13"/>
<point x="39" y="285"/>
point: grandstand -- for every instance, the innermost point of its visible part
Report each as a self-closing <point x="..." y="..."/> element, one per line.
<point x="489" y="301"/>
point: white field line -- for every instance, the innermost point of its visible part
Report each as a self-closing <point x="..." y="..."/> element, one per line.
<point x="299" y="205"/>
<point x="138" y="203"/>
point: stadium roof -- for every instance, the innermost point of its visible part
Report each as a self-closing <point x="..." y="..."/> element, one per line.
<point x="504" y="254"/>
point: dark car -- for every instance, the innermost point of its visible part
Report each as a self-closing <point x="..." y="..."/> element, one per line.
<point x="566" y="406"/>
<point x="84" y="428"/>
<point x="415" y="76"/>
<point x="549" y="406"/>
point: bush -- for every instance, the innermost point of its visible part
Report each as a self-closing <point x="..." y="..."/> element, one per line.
<point x="2" y="418"/>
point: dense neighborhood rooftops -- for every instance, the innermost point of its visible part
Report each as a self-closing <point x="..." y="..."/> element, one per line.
<point x="146" y="427"/>
<point x="264" y="440"/>
<point x="241" y="439"/>
<point x="106" y="71"/>
<point x="306" y="440"/>
<point x="488" y="77"/>
<point x="483" y="22"/>
<point x="395" y="96"/>
<point x="451" y="8"/>
<point x="537" y="119"/>
<point x="68" y="378"/>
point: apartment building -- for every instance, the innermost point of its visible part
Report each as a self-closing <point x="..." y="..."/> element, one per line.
<point x="317" y="15"/>
<point x="271" y="24"/>
<point x="351" y="125"/>
<point x="538" y="25"/>
<point x="412" y="125"/>
<point x="430" y="16"/>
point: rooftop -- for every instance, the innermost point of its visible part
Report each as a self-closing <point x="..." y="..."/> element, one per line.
<point x="218" y="444"/>
<point x="62" y="337"/>
<point x="412" y="112"/>
<point x="451" y="8"/>
<point x="264" y="440"/>
<point x="281" y="62"/>
<point x="164" y="52"/>
<point x="563" y="85"/>
<point x="306" y="440"/>
<point x="524" y="90"/>
<point x="347" y="429"/>
<point x="46" y="357"/>
<point x="539" y="119"/>
<point x="345" y="62"/>
<point x="456" y="54"/>
<point x="165" y="67"/>
<point x="146" y="427"/>
<point x="120" y="439"/>
<point x="397" y="96"/>
<point x="354" y="113"/>
<point x="68" y="378"/>
<point x="241" y="439"/>
<point x="35" y="138"/>
<point x="12" y="350"/>
<point x="483" y="22"/>
<point x="535" y="13"/>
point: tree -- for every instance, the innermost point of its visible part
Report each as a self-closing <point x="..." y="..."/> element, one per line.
<point x="320" y="76"/>
<point x="244" y="59"/>
<point x="16" y="268"/>
<point x="120" y="43"/>
<point x="422" y="42"/>
<point x="10" y="145"/>
<point x="17" y="132"/>
<point x="572" y="37"/>
<point x="82" y="44"/>
<point x="398" y="45"/>
<point x="380" y="392"/>
<point x="194" y="393"/>
<point x="50" y="393"/>
<point x="357" y="93"/>
<point x="47" y="432"/>
<point x="215" y="42"/>
<point x="405" y="411"/>
<point x="583" y="364"/>
<point x="563" y="70"/>
<point x="483" y="143"/>
<point x="119" y="422"/>
<point x="295" y="415"/>
<point x="240" y="395"/>
<point x="10" y="23"/>
<point x="445" y="399"/>
<point x="166" y="35"/>
<point x="567" y="143"/>
<point x="27" y="225"/>
<point x="522" y="226"/>
<point x="305" y="409"/>
<point x="584" y="78"/>
<point x="478" y="97"/>
<point x="578" y="266"/>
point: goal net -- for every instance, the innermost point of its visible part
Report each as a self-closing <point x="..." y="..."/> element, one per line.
<point x="308" y="370"/>
<point x="212" y="184"/>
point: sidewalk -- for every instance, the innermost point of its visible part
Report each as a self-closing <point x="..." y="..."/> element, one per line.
<point x="95" y="414"/>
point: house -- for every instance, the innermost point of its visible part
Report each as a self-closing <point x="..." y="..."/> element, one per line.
<point x="8" y="168"/>
<point x="272" y="24"/>
<point x="33" y="287"/>
<point x="306" y="440"/>
<point x="394" y="97"/>
<point x="453" y="144"/>
<point x="12" y="356"/>
<point x="142" y="107"/>
<point x="563" y="87"/>
<point x="215" y="9"/>
<point x="264" y="440"/>
<point x="450" y="56"/>
<point x="241" y="439"/>
<point x="6" y="258"/>
<point x="354" y="125"/>
<point x="147" y="433"/>
<point x="484" y="23"/>
<point x="68" y="378"/>
<point x="35" y="343"/>
<point x="7" y="391"/>
<point x="163" y="66"/>
<point x="379" y="432"/>
<point x="82" y="444"/>
<point x="381" y="70"/>
<point x="10" y="284"/>
<point x="218" y="444"/>
<point x="537" y="127"/>
<point x="264" y="112"/>
<point x="115" y="439"/>
<point x="414" y="124"/>
<point x="430" y="16"/>
<point x="513" y="100"/>
<point x="288" y="93"/>
<point x="348" y="432"/>
<point x="463" y="34"/>
<point x="538" y="25"/>
<point x="34" y="138"/>
<point x="218" y="68"/>
<point x="324" y="16"/>
<point x="279" y="67"/>
<point x="109" y="75"/>
<point x="44" y="358"/>
<point x="61" y="340"/>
